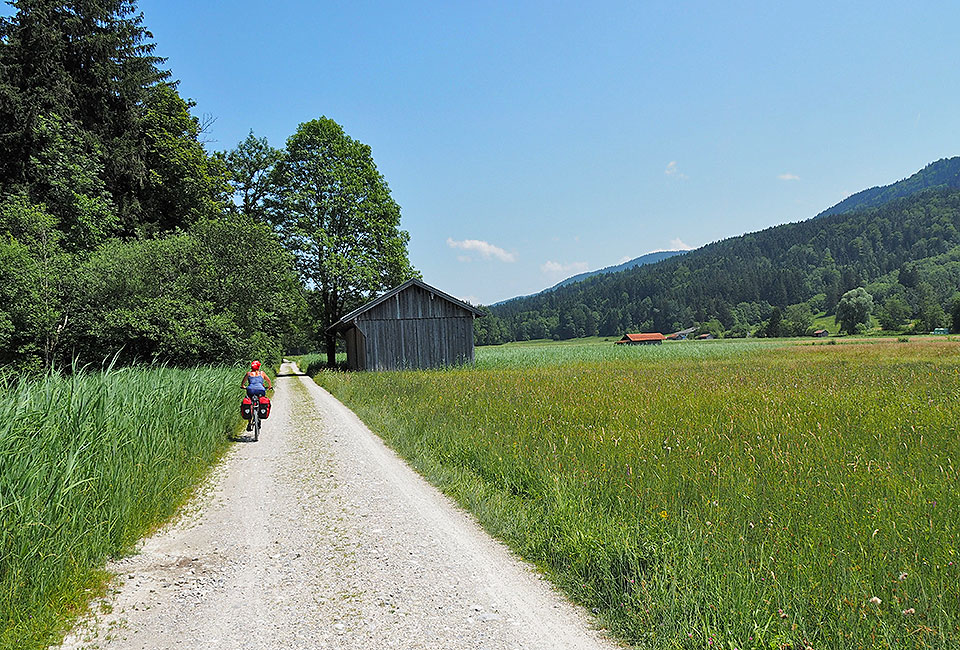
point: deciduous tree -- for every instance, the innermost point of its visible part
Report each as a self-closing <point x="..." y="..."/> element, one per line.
<point x="854" y="309"/>
<point x="955" y="314"/>
<point x="250" y="166"/>
<point x="337" y="216"/>
<point x="893" y="314"/>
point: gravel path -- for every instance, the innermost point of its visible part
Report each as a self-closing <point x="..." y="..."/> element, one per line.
<point x="318" y="536"/>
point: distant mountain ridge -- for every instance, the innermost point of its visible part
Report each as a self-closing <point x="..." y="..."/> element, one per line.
<point x="904" y="249"/>
<point x="942" y="173"/>
<point x="649" y="258"/>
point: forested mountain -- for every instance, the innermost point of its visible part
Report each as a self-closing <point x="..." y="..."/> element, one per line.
<point x="943" y="173"/>
<point x="649" y="258"/>
<point x="785" y="273"/>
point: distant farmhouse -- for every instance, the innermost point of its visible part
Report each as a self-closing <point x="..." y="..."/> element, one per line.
<point x="821" y="333"/>
<point x="653" y="338"/>
<point x="705" y="337"/>
<point x="682" y="335"/>
<point x="410" y="326"/>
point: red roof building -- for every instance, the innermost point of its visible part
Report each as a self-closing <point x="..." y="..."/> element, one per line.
<point x="652" y="338"/>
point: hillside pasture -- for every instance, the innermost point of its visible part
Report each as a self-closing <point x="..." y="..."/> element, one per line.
<point x="730" y="494"/>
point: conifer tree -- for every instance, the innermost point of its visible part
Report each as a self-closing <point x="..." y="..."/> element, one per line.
<point x="87" y="66"/>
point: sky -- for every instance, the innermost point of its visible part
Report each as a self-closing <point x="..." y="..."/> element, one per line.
<point x="529" y="141"/>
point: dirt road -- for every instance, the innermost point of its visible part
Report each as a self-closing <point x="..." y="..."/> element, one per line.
<point x="318" y="536"/>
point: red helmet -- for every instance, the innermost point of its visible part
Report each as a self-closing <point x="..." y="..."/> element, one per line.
<point x="255" y="365"/>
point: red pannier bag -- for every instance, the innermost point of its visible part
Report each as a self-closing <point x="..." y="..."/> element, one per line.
<point x="264" y="408"/>
<point x="246" y="408"/>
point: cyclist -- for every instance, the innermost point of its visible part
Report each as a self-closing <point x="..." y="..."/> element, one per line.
<point x="256" y="382"/>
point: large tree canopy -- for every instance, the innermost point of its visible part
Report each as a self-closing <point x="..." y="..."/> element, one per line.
<point x="334" y="211"/>
<point x="251" y="165"/>
<point x="116" y="229"/>
<point x="88" y="65"/>
<point x="854" y="309"/>
<point x="125" y="234"/>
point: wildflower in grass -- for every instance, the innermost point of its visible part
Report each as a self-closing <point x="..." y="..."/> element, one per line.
<point x="875" y="601"/>
<point x="663" y="514"/>
<point x="902" y="576"/>
<point x="782" y="613"/>
<point x="909" y="612"/>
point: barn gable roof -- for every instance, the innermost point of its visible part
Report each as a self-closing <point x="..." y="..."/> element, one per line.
<point x="345" y="322"/>
<point x="639" y="338"/>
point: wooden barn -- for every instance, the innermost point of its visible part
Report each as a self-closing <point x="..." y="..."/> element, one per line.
<point x="410" y="326"/>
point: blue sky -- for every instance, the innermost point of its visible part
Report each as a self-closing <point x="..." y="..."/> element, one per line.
<point x="528" y="141"/>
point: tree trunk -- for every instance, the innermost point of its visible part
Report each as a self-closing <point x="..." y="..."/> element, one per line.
<point x="331" y="350"/>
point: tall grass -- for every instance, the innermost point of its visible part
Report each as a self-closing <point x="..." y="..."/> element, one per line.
<point x="88" y="464"/>
<point x="314" y="363"/>
<point x="743" y="498"/>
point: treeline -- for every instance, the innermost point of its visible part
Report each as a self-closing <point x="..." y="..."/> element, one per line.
<point x="903" y="253"/>
<point x="122" y="235"/>
<point x="942" y="173"/>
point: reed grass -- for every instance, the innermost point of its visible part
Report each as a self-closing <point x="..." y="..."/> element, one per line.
<point x="726" y="495"/>
<point x="89" y="463"/>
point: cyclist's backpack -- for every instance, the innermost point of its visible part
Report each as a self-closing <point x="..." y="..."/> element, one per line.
<point x="264" y="408"/>
<point x="246" y="407"/>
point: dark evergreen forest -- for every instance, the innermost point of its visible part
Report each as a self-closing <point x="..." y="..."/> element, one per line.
<point x="904" y="252"/>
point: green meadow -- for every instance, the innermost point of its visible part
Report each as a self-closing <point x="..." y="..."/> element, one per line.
<point x="724" y="494"/>
<point x="90" y="463"/>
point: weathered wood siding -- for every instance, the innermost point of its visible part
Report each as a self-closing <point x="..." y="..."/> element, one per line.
<point x="413" y="329"/>
<point x="415" y="302"/>
<point x="356" y="353"/>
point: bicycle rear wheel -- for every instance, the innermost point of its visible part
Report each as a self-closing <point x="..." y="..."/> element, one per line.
<point x="256" y="426"/>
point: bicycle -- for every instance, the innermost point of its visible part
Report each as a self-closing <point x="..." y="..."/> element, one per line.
<point x="255" y="417"/>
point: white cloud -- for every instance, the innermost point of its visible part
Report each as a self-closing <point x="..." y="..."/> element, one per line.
<point x="679" y="245"/>
<point x="486" y="249"/>
<point x="473" y="300"/>
<point x="788" y="177"/>
<point x="624" y="259"/>
<point x="673" y="170"/>
<point x="464" y="258"/>
<point x="555" y="268"/>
